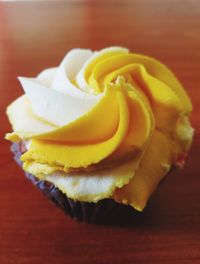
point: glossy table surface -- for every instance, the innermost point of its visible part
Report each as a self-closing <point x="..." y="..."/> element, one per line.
<point x="36" y="35"/>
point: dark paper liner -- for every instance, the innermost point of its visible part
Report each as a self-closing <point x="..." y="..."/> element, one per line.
<point x="104" y="211"/>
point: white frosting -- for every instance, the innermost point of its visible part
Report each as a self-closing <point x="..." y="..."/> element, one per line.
<point x="47" y="76"/>
<point x="95" y="185"/>
<point x="53" y="96"/>
<point x="69" y="69"/>
<point x="54" y="106"/>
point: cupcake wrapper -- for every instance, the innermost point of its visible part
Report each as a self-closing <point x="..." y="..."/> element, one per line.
<point x="104" y="211"/>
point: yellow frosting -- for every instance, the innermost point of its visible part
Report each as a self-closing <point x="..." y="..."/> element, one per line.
<point x="107" y="124"/>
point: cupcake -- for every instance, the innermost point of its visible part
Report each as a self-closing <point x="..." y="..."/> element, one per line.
<point x="98" y="133"/>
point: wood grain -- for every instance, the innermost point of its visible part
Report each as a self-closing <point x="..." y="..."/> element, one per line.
<point x="36" y="35"/>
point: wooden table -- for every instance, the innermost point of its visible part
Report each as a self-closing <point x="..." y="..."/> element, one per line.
<point x="34" y="36"/>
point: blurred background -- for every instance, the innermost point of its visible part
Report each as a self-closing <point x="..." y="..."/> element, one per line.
<point x="37" y="34"/>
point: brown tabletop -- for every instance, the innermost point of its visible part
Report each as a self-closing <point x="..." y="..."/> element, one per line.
<point x="36" y="35"/>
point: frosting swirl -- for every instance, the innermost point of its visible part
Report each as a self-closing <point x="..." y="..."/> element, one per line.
<point x="111" y="110"/>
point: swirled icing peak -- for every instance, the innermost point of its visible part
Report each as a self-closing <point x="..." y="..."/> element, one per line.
<point x="99" y="110"/>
